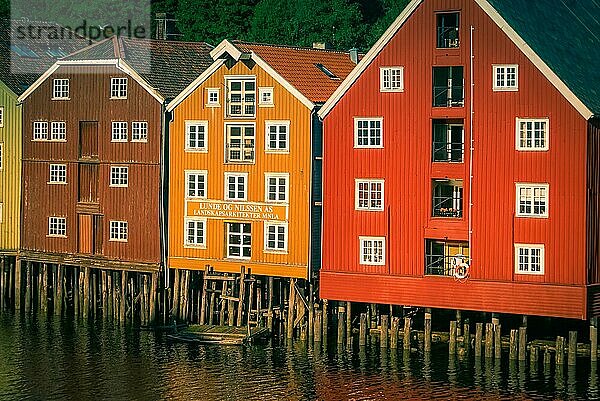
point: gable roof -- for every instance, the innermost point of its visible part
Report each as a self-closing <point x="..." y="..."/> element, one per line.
<point x="566" y="52"/>
<point x="19" y="71"/>
<point x="295" y="68"/>
<point x="163" y="67"/>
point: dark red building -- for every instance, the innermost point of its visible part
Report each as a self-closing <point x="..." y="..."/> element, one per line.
<point x="461" y="162"/>
<point x="93" y="131"/>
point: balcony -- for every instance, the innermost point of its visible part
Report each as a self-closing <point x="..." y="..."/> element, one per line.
<point x="447" y="30"/>
<point x="444" y="258"/>
<point x="448" y="141"/>
<point x="448" y="87"/>
<point x="447" y="198"/>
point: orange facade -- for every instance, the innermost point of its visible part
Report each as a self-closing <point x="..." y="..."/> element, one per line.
<point x="264" y="153"/>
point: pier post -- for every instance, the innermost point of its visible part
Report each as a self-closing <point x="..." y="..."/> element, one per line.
<point x="74" y="276"/>
<point x="18" y="267"/>
<point x="522" y="343"/>
<point x="152" y="297"/>
<point x="325" y="321"/>
<point x="242" y="298"/>
<point x="489" y="335"/>
<point x="86" y="291"/>
<point x="547" y="357"/>
<point x="94" y="294"/>
<point x="593" y="340"/>
<point x="115" y="307"/>
<point x="452" y="339"/>
<point x="251" y="299"/>
<point x="407" y="336"/>
<point x="224" y="290"/>
<point x="231" y="307"/>
<point x="341" y="323"/>
<point x="383" y="341"/>
<point x="362" y="334"/>
<point x="28" y="288"/>
<point x="458" y="323"/>
<point x="109" y="287"/>
<point x="349" y="322"/>
<point x="211" y="305"/>
<point x="498" y="341"/>
<point x="2" y="283"/>
<point x="291" y="304"/>
<point x="534" y="357"/>
<point x="311" y="311"/>
<point x="572" y="359"/>
<point x="478" y="338"/>
<point x="176" y="280"/>
<point x="394" y="332"/>
<point x="427" y="330"/>
<point x="560" y="350"/>
<point x="270" y="305"/>
<point x="204" y="303"/>
<point x="318" y="325"/>
<point x="514" y="333"/>
<point x="467" y="336"/>
<point x="123" y="300"/>
<point x="104" y="285"/>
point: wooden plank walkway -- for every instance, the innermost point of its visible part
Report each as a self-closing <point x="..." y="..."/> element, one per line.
<point x="213" y="334"/>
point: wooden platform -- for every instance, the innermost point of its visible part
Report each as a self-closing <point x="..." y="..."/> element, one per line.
<point x="211" y="334"/>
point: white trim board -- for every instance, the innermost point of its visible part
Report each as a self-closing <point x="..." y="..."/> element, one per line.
<point x="496" y="18"/>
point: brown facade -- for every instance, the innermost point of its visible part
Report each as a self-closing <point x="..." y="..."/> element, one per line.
<point x="87" y="200"/>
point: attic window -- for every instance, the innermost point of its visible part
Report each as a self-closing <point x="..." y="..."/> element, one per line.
<point x="326" y="71"/>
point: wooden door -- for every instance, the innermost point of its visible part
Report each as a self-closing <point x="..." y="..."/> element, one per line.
<point x="88" y="139"/>
<point x="88" y="182"/>
<point x="85" y="234"/>
<point x="98" y="234"/>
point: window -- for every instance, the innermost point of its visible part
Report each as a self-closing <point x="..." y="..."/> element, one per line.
<point x="368" y="194"/>
<point x="139" y="131"/>
<point x="443" y="258"/>
<point x="57" y="227"/>
<point x="1" y="117"/>
<point x="532" y="133"/>
<point x="60" y="89"/>
<point x="118" y="88"/>
<point x="119" y="176"/>
<point x="276" y="187"/>
<point x="447" y="198"/>
<point x="277" y="136"/>
<point x="265" y="96"/>
<point x="448" y="87"/>
<point x="240" y="144"/>
<point x="195" y="232"/>
<point x="391" y="79"/>
<point x="239" y="240"/>
<point x="241" y="94"/>
<point x="118" y="231"/>
<point x="40" y="130"/>
<point x="276" y="237"/>
<point x="195" y="136"/>
<point x="448" y="141"/>
<point x="532" y="200"/>
<point x="447" y="30"/>
<point x="235" y="186"/>
<point x="327" y="72"/>
<point x="506" y="77"/>
<point x="529" y="259"/>
<point x="368" y="132"/>
<point x="119" y="131"/>
<point x="58" y="173"/>
<point x="212" y="97"/>
<point x="58" y="131"/>
<point x="372" y="251"/>
<point x="1" y="154"/>
<point x="195" y="184"/>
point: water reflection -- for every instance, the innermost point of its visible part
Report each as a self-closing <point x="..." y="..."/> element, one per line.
<point x="71" y="360"/>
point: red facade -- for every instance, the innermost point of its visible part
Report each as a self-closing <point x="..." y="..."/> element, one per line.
<point x="406" y="164"/>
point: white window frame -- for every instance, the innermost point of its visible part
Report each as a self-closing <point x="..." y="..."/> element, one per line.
<point x="117" y="181"/>
<point x="195" y="220"/>
<point x="58" y="131"/>
<point x="533" y="148"/>
<point x="243" y="103"/>
<point x="532" y="187"/>
<point x="139" y="129"/>
<point x="54" y="174"/>
<point x="215" y="92"/>
<point x="390" y="70"/>
<point x="357" y="120"/>
<point x="529" y="247"/>
<point x="1" y="116"/>
<point x="243" y="138"/>
<point x="277" y="123"/>
<point x="119" y="126"/>
<point x="504" y="88"/>
<point x="122" y="231"/>
<point x="60" y="88"/>
<point x="119" y="85"/>
<point x="275" y="224"/>
<point x="362" y="256"/>
<point x="60" y="225"/>
<point x="202" y="173"/>
<point x="196" y="123"/>
<point x="369" y="182"/>
<point x="264" y="90"/>
<point x="40" y="129"/>
<point x="226" y="189"/>
<point x="277" y="176"/>
<point x="241" y="246"/>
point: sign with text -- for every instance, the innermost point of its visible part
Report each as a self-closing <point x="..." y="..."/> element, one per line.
<point x="218" y="209"/>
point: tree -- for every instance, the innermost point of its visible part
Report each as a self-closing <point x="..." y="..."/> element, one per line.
<point x="391" y="9"/>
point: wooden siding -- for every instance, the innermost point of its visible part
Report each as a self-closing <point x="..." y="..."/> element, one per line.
<point x="88" y="191"/>
<point x="593" y="203"/>
<point x="295" y="262"/>
<point x="405" y="164"/>
<point x="10" y="174"/>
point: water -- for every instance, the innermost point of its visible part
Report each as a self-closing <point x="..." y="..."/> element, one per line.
<point x="64" y="360"/>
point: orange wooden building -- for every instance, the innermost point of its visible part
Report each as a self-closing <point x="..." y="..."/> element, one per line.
<point x="245" y="160"/>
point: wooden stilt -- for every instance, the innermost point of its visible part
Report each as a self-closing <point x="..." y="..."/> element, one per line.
<point x="10" y="280"/>
<point x="224" y="292"/>
<point x="176" y="281"/>
<point x="467" y="336"/>
<point x="153" y="294"/>
<point x="204" y="304"/>
<point x="534" y="357"/>
<point x="513" y="344"/>
<point x="394" y="332"/>
<point x="109" y="312"/>
<point x="383" y="341"/>
<point x="362" y="334"/>
<point x="131" y="291"/>
<point x="86" y="292"/>
<point x="211" y="307"/>
<point x="40" y="284"/>
<point x="115" y="297"/>
<point x="407" y="336"/>
<point x="291" y="304"/>
<point x="17" y="300"/>
<point x="75" y="290"/>
<point x="325" y="320"/>
<point x="123" y="300"/>
<point x="547" y="356"/>
<point x="593" y="342"/>
<point x="144" y="304"/>
<point x="104" y="285"/>
<point x="231" y="307"/>
<point x="489" y="337"/>
<point x="478" y="338"/>
<point x="341" y="323"/>
<point x="94" y="306"/>
<point x="2" y="284"/>
<point x="259" y="304"/>
<point x="452" y="340"/>
<point x="427" y="329"/>
<point x="560" y="350"/>
<point x="522" y="343"/>
<point x="318" y="325"/>
<point x="572" y="358"/>
<point x="349" y="322"/>
<point x="311" y="311"/>
<point x="28" y="288"/>
<point x="498" y="341"/>
<point x="60" y="284"/>
<point x="242" y="297"/>
<point x="270" y="306"/>
<point x="458" y="323"/>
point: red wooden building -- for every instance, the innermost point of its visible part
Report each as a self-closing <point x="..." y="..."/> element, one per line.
<point x="93" y="127"/>
<point x="461" y="162"/>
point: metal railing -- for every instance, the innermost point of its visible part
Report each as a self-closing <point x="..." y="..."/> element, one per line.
<point x="447" y="206"/>
<point x="444" y="265"/>
<point x="447" y="37"/>
<point x="444" y="96"/>
<point x="444" y="151"/>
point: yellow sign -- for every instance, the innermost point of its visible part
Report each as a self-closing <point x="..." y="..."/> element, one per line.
<point x="217" y="209"/>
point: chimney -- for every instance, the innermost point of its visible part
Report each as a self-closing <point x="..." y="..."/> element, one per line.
<point x="354" y="55"/>
<point x="321" y="45"/>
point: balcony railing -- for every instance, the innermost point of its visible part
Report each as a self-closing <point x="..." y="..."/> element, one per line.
<point x="447" y="37"/>
<point x="444" y="265"/>
<point x="444" y="96"/>
<point x="444" y="151"/>
<point x="447" y="200"/>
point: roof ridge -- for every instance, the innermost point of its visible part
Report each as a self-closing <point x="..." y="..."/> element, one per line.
<point x="185" y="42"/>
<point x="87" y="47"/>
<point x="241" y="42"/>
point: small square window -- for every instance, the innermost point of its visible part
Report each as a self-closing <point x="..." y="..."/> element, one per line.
<point x="139" y="131"/>
<point x="57" y="227"/>
<point x="40" y="130"/>
<point x="369" y="194"/>
<point x="532" y="200"/>
<point x="276" y="187"/>
<point x="532" y="134"/>
<point x="212" y="97"/>
<point x="118" y="88"/>
<point x="265" y="96"/>
<point x="196" y="133"/>
<point x="60" y="89"/>
<point x="529" y="259"/>
<point x="119" y="131"/>
<point x="119" y="176"/>
<point x="368" y="132"/>
<point x="58" y="174"/>
<point x="239" y="240"/>
<point x="506" y="77"/>
<point x="277" y="136"/>
<point x="195" y="232"/>
<point x="240" y="143"/>
<point x="195" y="184"/>
<point x="276" y="237"/>
<point x="391" y="79"/>
<point x="236" y="186"/>
<point x="58" y="131"/>
<point x="118" y="231"/>
<point x="372" y="251"/>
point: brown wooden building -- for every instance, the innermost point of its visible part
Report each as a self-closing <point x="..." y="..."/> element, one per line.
<point x="92" y="139"/>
